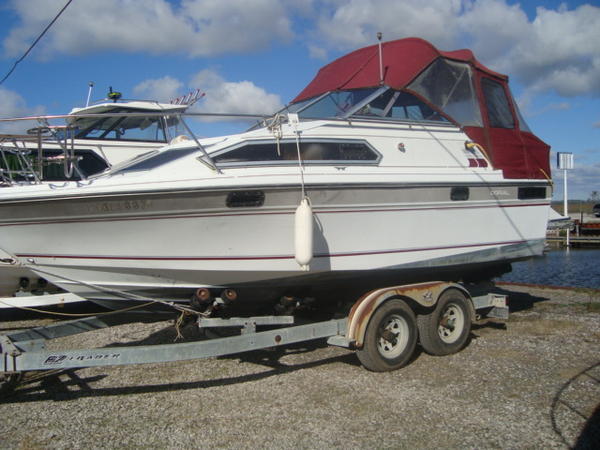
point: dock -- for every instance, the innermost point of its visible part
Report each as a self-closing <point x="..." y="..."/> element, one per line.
<point x="583" y="232"/>
<point x="574" y="241"/>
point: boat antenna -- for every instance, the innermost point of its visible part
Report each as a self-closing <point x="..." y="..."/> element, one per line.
<point x="90" y="87"/>
<point x="379" y="36"/>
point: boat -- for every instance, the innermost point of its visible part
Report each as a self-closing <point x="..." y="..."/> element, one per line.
<point x="90" y="140"/>
<point x="397" y="163"/>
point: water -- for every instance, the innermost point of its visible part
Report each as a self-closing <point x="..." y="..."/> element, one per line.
<point x="573" y="268"/>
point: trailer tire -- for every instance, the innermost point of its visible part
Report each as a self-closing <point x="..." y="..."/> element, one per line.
<point x="397" y="321"/>
<point x="445" y="330"/>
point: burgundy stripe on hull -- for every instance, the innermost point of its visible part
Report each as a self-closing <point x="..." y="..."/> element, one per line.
<point x="274" y="257"/>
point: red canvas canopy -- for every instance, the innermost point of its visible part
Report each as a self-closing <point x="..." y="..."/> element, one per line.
<point x="511" y="145"/>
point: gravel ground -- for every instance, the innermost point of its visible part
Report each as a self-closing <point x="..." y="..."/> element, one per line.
<point x="532" y="383"/>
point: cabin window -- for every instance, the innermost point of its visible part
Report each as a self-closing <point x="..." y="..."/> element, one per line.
<point x="89" y="163"/>
<point x="531" y="193"/>
<point x="459" y="193"/>
<point x="449" y="86"/>
<point x="245" y="199"/>
<point x="315" y="152"/>
<point x="496" y="101"/>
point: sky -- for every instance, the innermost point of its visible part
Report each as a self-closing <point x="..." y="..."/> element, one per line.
<point x="254" y="56"/>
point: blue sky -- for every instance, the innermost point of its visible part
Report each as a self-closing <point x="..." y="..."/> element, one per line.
<point x="254" y="56"/>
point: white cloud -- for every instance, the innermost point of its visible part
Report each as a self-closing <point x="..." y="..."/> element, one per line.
<point x="316" y="52"/>
<point x="13" y="105"/>
<point x="557" y="50"/>
<point x="241" y="97"/>
<point x="526" y="107"/>
<point x="354" y="23"/>
<point x="221" y="96"/>
<point x="162" y="89"/>
<point x="192" y="27"/>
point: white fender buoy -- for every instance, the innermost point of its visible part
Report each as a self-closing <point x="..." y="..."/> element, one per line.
<point x="303" y="234"/>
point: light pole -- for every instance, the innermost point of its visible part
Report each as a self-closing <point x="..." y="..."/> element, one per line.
<point x="564" y="161"/>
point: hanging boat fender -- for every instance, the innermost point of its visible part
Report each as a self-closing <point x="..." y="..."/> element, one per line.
<point x="303" y="234"/>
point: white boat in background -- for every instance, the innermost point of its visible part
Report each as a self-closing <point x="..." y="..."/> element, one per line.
<point x="416" y="169"/>
<point x="90" y="140"/>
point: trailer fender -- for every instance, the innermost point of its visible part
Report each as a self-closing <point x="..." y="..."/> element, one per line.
<point x="424" y="294"/>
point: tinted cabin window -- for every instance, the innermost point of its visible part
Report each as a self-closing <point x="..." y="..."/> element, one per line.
<point x="459" y="193"/>
<point x="89" y="163"/>
<point x="287" y="152"/>
<point x="499" y="114"/>
<point x="529" y="193"/>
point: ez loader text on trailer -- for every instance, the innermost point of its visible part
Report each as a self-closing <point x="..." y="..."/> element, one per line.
<point x="383" y="326"/>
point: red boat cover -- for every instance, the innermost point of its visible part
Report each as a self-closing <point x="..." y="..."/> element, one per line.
<point x="516" y="151"/>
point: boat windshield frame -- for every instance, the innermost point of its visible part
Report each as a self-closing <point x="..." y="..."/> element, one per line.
<point x="345" y="114"/>
<point x="161" y="122"/>
<point x="354" y="111"/>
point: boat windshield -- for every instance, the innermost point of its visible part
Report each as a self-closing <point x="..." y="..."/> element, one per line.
<point x="120" y="128"/>
<point x="332" y="104"/>
<point x="382" y="102"/>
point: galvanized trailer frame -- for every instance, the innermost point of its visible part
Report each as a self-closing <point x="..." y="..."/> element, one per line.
<point x="25" y="350"/>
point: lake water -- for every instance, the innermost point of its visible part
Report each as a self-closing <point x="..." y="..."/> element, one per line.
<point x="573" y="267"/>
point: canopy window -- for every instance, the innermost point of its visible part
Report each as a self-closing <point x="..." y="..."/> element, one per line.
<point x="496" y="102"/>
<point x="449" y="86"/>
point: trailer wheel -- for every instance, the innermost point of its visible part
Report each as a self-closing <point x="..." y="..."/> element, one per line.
<point x="390" y="337"/>
<point x="445" y="330"/>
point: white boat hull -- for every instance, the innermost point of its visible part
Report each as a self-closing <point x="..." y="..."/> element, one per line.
<point x="172" y="253"/>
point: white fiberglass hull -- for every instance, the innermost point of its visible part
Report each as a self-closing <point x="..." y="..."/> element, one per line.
<point x="169" y="246"/>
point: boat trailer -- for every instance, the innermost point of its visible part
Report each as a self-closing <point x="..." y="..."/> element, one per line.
<point x="383" y="327"/>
